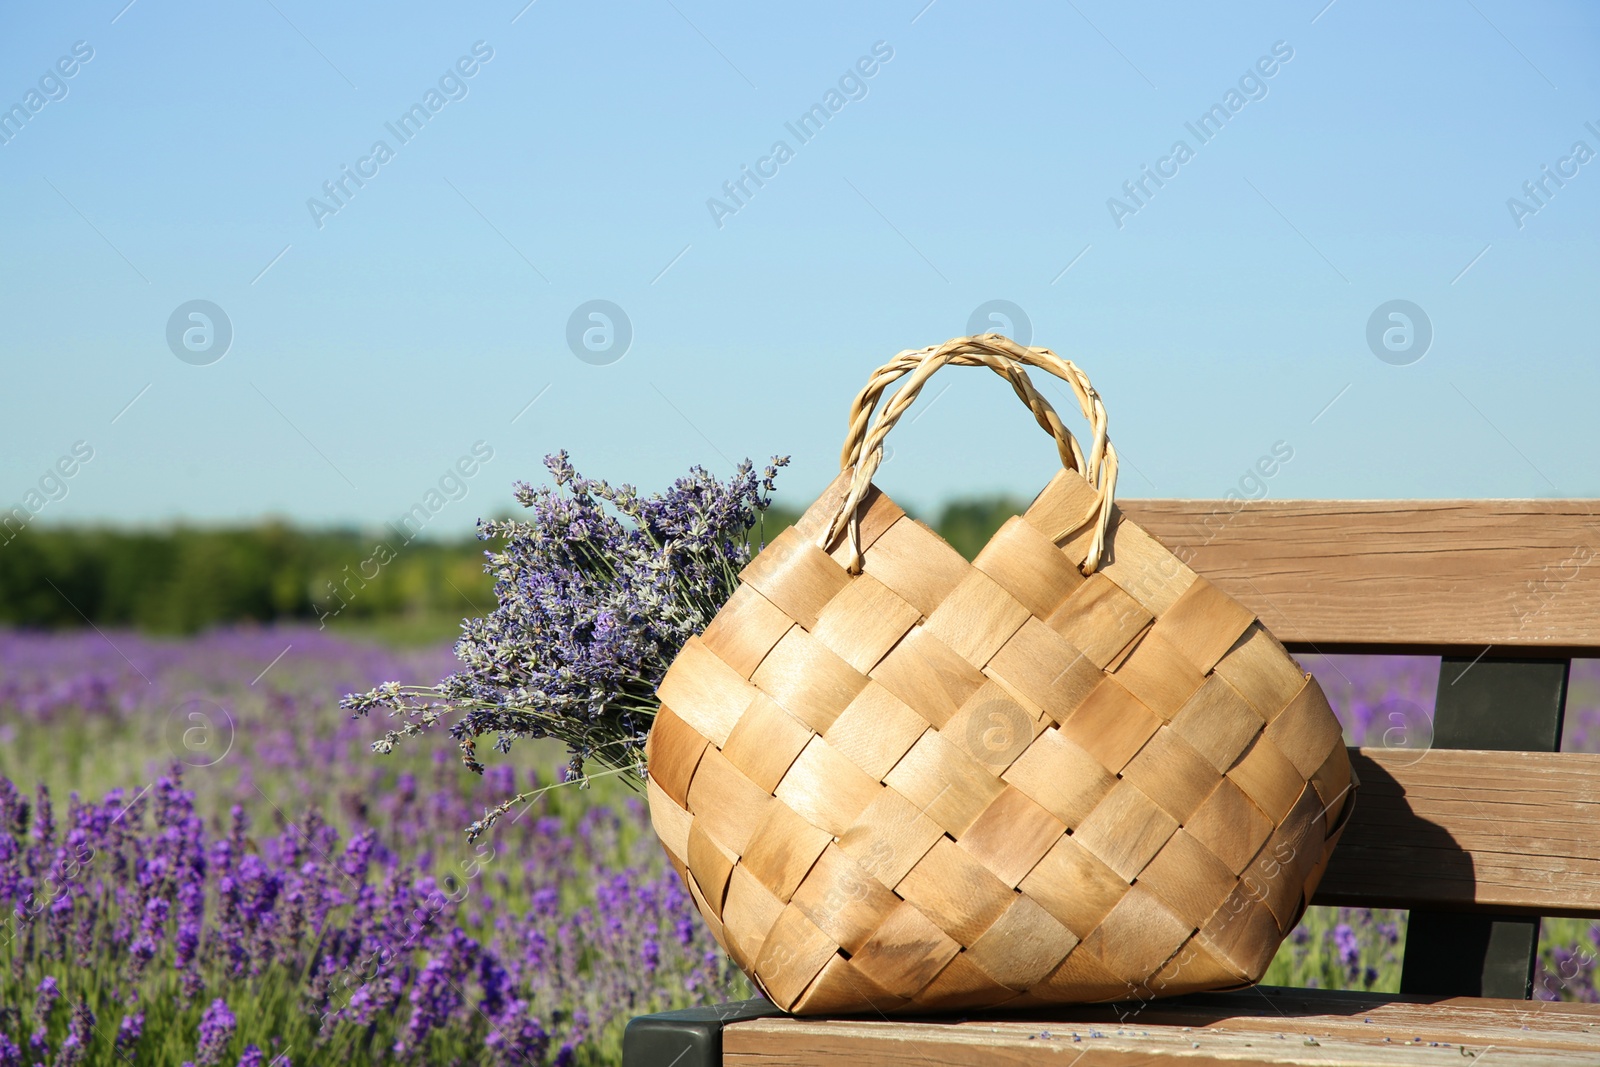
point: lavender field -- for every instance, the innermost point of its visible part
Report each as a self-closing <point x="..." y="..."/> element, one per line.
<point x="202" y="862"/>
<point x="242" y="881"/>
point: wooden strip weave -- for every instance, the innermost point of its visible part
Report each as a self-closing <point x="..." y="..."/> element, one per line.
<point x="940" y="785"/>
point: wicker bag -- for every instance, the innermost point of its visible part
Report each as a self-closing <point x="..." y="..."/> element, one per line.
<point x="1070" y="771"/>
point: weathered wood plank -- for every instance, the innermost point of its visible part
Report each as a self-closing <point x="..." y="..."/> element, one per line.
<point x="1512" y="832"/>
<point x="1410" y="572"/>
<point x="1273" y="1026"/>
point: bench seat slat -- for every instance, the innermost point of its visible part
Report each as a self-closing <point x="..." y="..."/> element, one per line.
<point x="1258" y="1025"/>
<point x="1514" y="832"/>
<point x="1463" y="573"/>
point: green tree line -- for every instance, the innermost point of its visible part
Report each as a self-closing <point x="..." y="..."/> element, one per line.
<point x="184" y="579"/>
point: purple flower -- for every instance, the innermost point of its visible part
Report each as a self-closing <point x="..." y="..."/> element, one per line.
<point x="216" y="1030"/>
<point x="596" y="596"/>
<point x="650" y="955"/>
<point x="686" y="929"/>
<point x="79" y="1032"/>
<point x="517" y="1037"/>
<point x="45" y="996"/>
<point x="128" y="1033"/>
<point x="1349" y="948"/>
<point x="44" y="823"/>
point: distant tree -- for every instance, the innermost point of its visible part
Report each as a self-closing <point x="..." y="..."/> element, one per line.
<point x="968" y="524"/>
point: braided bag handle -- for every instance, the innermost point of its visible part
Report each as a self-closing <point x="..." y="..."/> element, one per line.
<point x="863" y="446"/>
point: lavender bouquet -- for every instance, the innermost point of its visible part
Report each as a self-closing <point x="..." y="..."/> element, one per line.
<point x="596" y="595"/>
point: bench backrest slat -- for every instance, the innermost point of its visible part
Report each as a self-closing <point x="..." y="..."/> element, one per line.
<point x="1503" y="832"/>
<point x="1448" y="573"/>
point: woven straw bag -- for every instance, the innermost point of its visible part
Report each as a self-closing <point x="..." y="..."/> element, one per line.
<point x="1070" y="771"/>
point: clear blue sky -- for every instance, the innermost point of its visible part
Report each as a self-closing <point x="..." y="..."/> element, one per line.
<point x="1223" y="315"/>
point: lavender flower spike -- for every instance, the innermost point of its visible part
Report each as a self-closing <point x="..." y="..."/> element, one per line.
<point x="596" y="596"/>
<point x="216" y="1030"/>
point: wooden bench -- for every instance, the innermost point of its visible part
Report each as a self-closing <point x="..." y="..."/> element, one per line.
<point x="1479" y="836"/>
